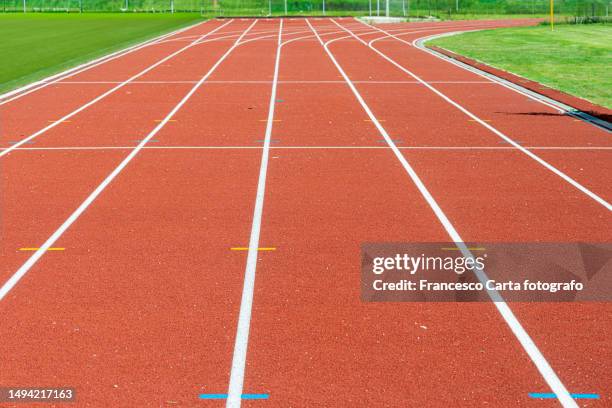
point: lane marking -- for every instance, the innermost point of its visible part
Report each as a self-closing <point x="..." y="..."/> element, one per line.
<point x="274" y="120"/>
<point x="550" y="395"/>
<point x="523" y="337"/>
<point x="239" y="357"/>
<point x="16" y="277"/>
<point x="59" y="121"/>
<point x="54" y="79"/>
<point x="258" y="249"/>
<point x="110" y="91"/>
<point x="37" y="248"/>
<point x="242" y="396"/>
<point x="160" y="120"/>
<point x="239" y="82"/>
<point x="450" y="148"/>
<point x="17" y="141"/>
<point x="484" y="120"/>
<point x="533" y="156"/>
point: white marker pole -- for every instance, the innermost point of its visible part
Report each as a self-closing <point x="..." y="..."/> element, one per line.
<point x="387" y="8"/>
<point x="24" y="6"/>
<point x="323" y="7"/>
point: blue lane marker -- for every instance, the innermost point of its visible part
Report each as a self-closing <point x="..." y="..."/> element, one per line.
<point x="213" y="396"/>
<point x="550" y="395"/>
<point x="254" y="396"/>
<point x="243" y="396"/>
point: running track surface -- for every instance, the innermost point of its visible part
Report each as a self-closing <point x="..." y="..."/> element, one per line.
<point x="220" y="139"/>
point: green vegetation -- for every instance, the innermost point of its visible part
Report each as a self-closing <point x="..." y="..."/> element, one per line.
<point x="573" y="58"/>
<point x="446" y="9"/>
<point x="34" y="46"/>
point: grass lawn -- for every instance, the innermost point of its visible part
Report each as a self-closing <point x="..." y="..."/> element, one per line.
<point x="576" y="59"/>
<point x="34" y="46"/>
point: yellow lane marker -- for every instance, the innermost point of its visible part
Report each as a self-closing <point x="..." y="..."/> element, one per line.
<point x="36" y="249"/>
<point x="470" y="249"/>
<point x="247" y="248"/>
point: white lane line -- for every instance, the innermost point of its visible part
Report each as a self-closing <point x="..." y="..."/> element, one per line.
<point x="269" y="82"/>
<point x="14" y="279"/>
<point x="107" y="93"/>
<point x="35" y="86"/>
<point x="483" y="123"/>
<point x="197" y="147"/>
<point x="528" y="345"/>
<point x="246" y="303"/>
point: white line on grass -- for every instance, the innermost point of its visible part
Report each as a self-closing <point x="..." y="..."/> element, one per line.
<point x="110" y="91"/>
<point x="533" y="156"/>
<point x="530" y="347"/>
<point x="246" y="303"/>
<point x="14" y="279"/>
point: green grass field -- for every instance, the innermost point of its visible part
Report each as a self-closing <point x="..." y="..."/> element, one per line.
<point x="573" y="58"/>
<point x="34" y="46"/>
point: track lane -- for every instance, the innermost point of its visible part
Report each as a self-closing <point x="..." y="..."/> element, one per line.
<point x="60" y="179"/>
<point x="339" y="358"/>
<point x="534" y="204"/>
<point x="148" y="296"/>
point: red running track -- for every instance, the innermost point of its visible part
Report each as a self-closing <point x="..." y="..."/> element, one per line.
<point x="142" y="306"/>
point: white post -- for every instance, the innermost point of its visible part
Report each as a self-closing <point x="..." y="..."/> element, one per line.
<point x="387" y="8"/>
<point x="323" y="7"/>
<point x="172" y="6"/>
<point x="127" y="5"/>
<point x="24" y="6"/>
<point x="285" y="7"/>
<point x="377" y="8"/>
<point x="404" y="7"/>
<point x="370" y="5"/>
<point x="269" y="7"/>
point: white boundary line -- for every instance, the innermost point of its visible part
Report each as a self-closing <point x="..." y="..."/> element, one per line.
<point x="246" y="303"/>
<point x="523" y="337"/>
<point x="494" y="130"/>
<point x="269" y="82"/>
<point x="14" y="279"/>
<point x="98" y="98"/>
<point x="450" y="148"/>
<point x="87" y="65"/>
